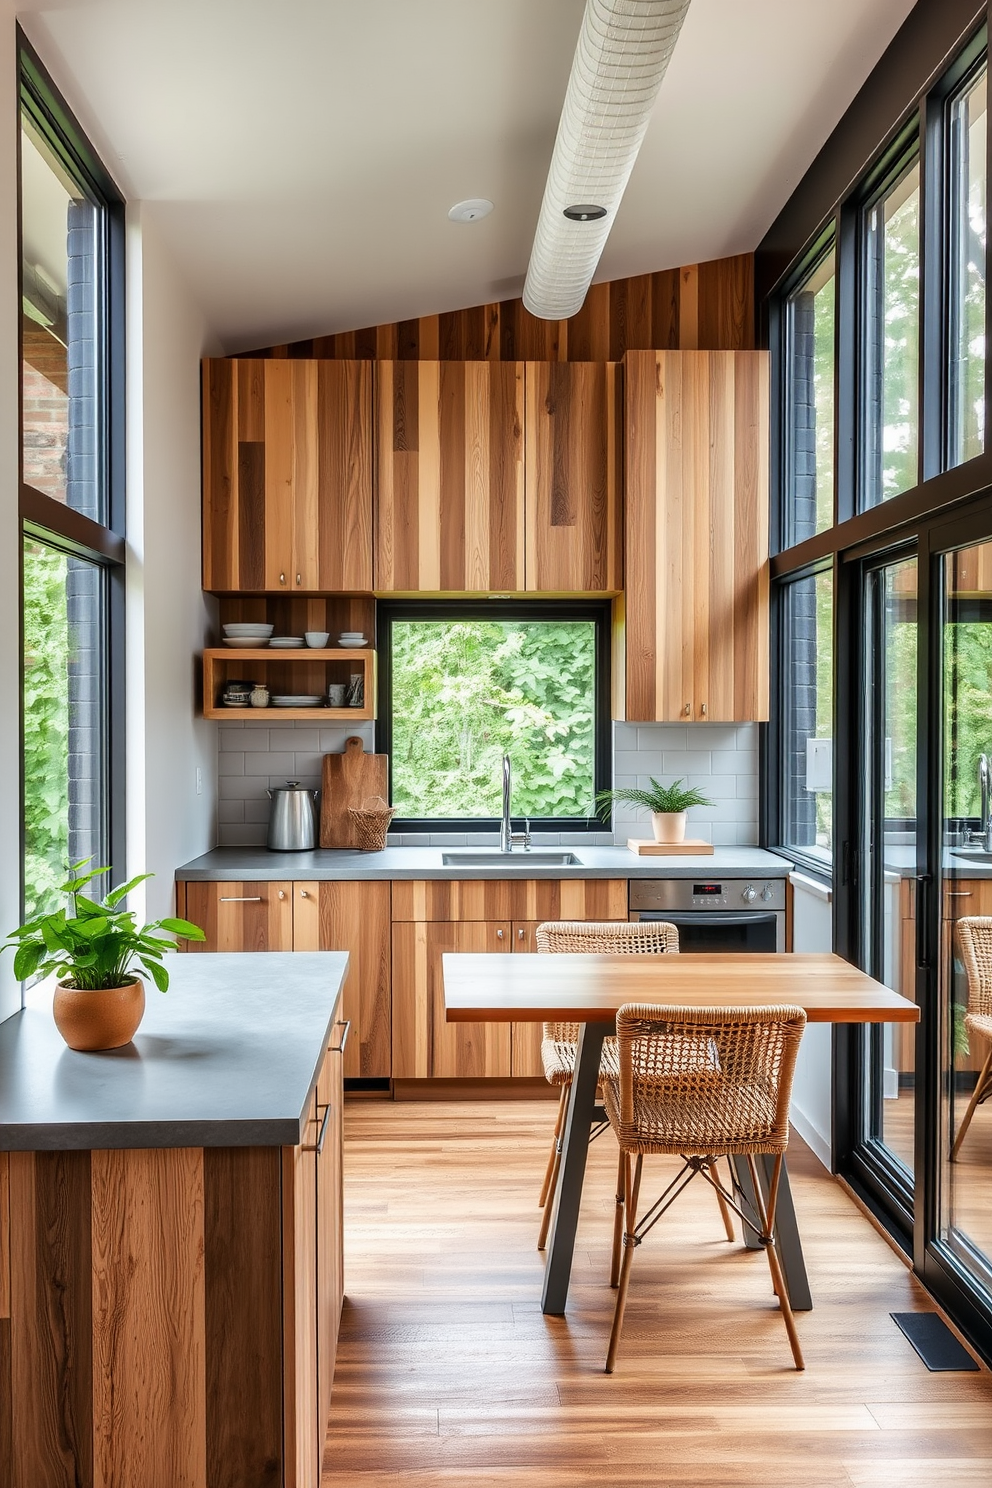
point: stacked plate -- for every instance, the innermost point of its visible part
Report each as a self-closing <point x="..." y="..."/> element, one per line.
<point x="286" y="643"/>
<point x="352" y="638"/>
<point x="294" y="700"/>
<point x="247" y="633"/>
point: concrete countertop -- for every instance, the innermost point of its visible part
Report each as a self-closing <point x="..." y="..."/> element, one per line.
<point x="257" y="864"/>
<point x="228" y="1057"/>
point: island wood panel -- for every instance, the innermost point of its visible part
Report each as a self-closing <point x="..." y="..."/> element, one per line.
<point x="287" y="475"/>
<point x="241" y="916"/>
<point x="4" y="1238"/>
<point x="330" y="1230"/>
<point x="425" y="1045"/>
<point x="302" y="1433"/>
<point x="353" y="917"/>
<point x="149" y="1387"/>
<point x="510" y="899"/>
<point x="572" y="448"/>
<point x="52" y="1384"/>
<point x="450" y="477"/>
<point x="242" y="1232"/>
<point x="696" y="480"/>
<point x="709" y="306"/>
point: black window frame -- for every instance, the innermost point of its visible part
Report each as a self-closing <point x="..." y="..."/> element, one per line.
<point x="598" y="611"/>
<point x="52" y="522"/>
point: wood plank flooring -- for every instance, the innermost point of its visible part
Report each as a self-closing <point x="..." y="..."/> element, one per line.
<point x="448" y="1373"/>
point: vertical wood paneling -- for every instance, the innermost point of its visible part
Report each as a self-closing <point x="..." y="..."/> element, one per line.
<point x="299" y="1249"/>
<point x="52" y="1384"/>
<point x="697" y="535"/>
<point x="250" y="570"/>
<point x="148" y="1319"/>
<point x="220" y="511"/>
<point x="281" y="387"/>
<point x="573" y="516"/>
<point x="344" y="476"/>
<point x="354" y="917"/>
<point x="4" y="1236"/>
<point x="241" y="916"/>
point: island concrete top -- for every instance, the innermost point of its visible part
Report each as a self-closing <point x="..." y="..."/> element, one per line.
<point x="228" y="1057"/>
<point x="258" y="864"/>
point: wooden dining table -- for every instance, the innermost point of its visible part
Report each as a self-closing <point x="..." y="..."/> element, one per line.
<point x="588" y="990"/>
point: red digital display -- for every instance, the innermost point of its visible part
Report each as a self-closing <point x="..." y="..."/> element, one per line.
<point x="716" y="889"/>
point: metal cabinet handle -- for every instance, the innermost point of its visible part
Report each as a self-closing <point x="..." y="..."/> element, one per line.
<point x="687" y="710"/>
<point x="282" y="578"/>
<point x="959" y="893"/>
<point x="318" y="1146"/>
<point x="282" y="893"/>
<point x="298" y="580"/>
<point x="499" y="935"/>
<point x="702" y="709"/>
<point x="304" y="894"/>
<point x="521" y="934"/>
<point x="345" y="1027"/>
<point x="240" y="898"/>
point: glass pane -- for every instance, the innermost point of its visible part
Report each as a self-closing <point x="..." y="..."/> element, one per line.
<point x="890" y="882"/>
<point x="61" y="316"/>
<point x="466" y="692"/>
<point x="890" y="414"/>
<point x="967" y="273"/>
<point x="808" y="705"/>
<point x="810" y="342"/>
<point x="64" y="740"/>
<point x="966" y="983"/>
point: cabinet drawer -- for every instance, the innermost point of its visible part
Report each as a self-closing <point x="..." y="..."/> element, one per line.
<point x="436" y="900"/>
<point x="241" y="916"/>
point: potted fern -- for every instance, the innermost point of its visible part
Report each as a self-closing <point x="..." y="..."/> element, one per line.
<point x="99" y="957"/>
<point x="668" y="805"/>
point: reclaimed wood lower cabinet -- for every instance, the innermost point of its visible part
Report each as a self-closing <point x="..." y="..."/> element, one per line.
<point x="433" y="916"/>
<point x="169" y="1316"/>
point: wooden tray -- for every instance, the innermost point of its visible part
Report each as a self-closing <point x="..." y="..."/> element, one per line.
<point x="348" y="780"/>
<point x="692" y="847"/>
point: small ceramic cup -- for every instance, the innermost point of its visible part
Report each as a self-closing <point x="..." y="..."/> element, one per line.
<point x="317" y="639"/>
<point x="335" y="695"/>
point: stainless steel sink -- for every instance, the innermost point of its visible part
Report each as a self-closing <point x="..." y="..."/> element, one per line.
<point x="491" y="857"/>
<point x="975" y="854"/>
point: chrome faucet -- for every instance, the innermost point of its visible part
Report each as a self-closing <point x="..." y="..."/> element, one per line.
<point x="508" y="838"/>
<point x="984" y="834"/>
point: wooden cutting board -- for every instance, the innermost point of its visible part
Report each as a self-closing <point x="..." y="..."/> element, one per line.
<point x="348" y="780"/>
<point x="692" y="847"/>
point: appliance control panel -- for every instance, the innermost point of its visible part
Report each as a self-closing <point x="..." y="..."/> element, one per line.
<point x="757" y="894"/>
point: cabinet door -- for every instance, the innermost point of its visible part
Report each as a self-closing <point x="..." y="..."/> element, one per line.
<point x="525" y="1038"/>
<point x="287" y="475"/>
<point x="425" y="1045"/>
<point x="330" y="1227"/>
<point x="696" y="476"/>
<point x="573" y="430"/>
<point x="353" y="917"/>
<point x="241" y="916"/>
<point x="303" y="1433"/>
<point x="450" y="482"/>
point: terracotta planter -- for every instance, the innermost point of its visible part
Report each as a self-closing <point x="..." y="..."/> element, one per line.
<point x="669" y="826"/>
<point x="99" y="1020"/>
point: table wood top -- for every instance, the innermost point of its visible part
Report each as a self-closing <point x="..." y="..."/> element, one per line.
<point x="503" y="988"/>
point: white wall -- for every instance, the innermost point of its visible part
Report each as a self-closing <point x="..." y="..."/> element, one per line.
<point x="10" y="542"/>
<point x="169" y="619"/>
<point x="812" y="930"/>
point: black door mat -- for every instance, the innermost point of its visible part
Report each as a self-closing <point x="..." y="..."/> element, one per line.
<point x="933" y="1341"/>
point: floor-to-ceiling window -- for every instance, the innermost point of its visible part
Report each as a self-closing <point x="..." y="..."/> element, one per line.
<point x="880" y="758"/>
<point x="70" y="219"/>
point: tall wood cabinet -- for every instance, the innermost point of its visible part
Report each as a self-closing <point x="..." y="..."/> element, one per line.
<point x="696" y="513"/>
<point x="287" y="475"/>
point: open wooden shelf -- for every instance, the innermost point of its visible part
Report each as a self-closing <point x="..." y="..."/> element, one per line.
<point x="287" y="671"/>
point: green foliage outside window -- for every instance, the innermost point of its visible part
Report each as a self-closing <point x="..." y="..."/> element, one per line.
<point x="967" y="712"/>
<point x="466" y="692"/>
<point x="46" y="726"/>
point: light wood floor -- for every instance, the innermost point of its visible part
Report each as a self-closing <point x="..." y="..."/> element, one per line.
<point x="448" y="1374"/>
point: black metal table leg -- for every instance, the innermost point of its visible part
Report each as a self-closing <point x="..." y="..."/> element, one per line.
<point x="790" y="1247"/>
<point x="581" y="1105"/>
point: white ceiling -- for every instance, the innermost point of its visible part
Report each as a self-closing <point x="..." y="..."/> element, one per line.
<point x="300" y="156"/>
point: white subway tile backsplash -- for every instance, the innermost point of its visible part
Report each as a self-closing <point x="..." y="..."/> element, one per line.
<point x="231" y="763"/>
<point x="230" y="811"/>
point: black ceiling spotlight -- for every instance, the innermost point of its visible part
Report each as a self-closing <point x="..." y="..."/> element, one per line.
<point x="584" y="213"/>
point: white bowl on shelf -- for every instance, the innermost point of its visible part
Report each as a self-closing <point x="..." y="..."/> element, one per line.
<point x="248" y="627"/>
<point x="287" y="643"/>
<point x="246" y="640"/>
<point x="349" y="644"/>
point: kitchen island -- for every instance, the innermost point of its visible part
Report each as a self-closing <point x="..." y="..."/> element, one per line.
<point x="171" y="1234"/>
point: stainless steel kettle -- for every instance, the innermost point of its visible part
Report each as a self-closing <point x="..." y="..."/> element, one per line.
<point x="292" y="818"/>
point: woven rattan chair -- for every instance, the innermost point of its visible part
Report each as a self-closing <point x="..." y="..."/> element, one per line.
<point x="975" y="940"/>
<point x="701" y="1084"/>
<point x="560" y="1042"/>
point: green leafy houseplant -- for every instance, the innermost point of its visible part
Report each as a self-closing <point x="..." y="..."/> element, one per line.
<point x="93" y="946"/>
<point x="659" y="800"/>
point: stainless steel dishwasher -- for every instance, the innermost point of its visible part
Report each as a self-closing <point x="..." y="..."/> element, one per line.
<point x="729" y="913"/>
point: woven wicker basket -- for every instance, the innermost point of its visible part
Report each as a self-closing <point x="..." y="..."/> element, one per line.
<point x="371" y="823"/>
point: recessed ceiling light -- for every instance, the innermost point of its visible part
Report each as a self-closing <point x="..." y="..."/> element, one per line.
<point x="471" y="210"/>
<point x="583" y="213"/>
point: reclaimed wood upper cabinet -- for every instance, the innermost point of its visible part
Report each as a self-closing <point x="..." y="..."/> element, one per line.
<point x="287" y="475"/>
<point x="573" y="429"/>
<point x="696" y="479"/>
<point x="450" y="477"/>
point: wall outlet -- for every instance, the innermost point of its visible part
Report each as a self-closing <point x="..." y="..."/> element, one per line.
<point x="199" y="781"/>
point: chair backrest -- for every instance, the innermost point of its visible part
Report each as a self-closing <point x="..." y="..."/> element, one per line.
<point x="975" y="940"/>
<point x="603" y="937"/>
<point x="700" y="1079"/>
<point x="608" y="937"/>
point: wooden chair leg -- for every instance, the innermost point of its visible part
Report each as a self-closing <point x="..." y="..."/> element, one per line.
<point x="549" y="1203"/>
<point x="728" y="1222"/>
<point x="974" y="1103"/>
<point x="618" y="1224"/>
<point x="766" y="1217"/>
<point x="631" y="1188"/>
<point x="550" y="1170"/>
